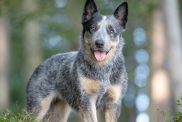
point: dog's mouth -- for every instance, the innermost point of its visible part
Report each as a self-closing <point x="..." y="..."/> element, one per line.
<point x="100" y="55"/>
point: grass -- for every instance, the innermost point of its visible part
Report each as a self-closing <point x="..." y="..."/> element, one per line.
<point x="23" y="116"/>
<point x="9" y="116"/>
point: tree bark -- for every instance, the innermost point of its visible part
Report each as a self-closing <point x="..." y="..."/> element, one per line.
<point x="4" y="56"/>
<point x="32" y="38"/>
<point x="166" y="49"/>
<point x="160" y="84"/>
<point x="174" y="41"/>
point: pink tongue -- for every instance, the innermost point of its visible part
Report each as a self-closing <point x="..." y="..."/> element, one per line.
<point x="100" y="56"/>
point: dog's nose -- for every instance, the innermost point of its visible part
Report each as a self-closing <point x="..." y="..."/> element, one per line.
<point x="99" y="43"/>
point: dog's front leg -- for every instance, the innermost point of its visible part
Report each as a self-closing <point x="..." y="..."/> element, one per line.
<point x="112" y="103"/>
<point x="88" y="110"/>
<point x="112" y="113"/>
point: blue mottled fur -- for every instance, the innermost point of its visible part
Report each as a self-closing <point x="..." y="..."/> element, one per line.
<point x="60" y="75"/>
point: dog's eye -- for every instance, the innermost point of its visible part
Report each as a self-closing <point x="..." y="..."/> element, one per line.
<point x="92" y="28"/>
<point x="111" y="30"/>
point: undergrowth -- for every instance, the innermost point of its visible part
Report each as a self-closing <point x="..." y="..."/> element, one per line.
<point x="178" y="116"/>
<point x="23" y="116"/>
<point x="10" y="116"/>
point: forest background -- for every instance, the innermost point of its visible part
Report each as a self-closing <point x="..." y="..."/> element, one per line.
<point x="33" y="30"/>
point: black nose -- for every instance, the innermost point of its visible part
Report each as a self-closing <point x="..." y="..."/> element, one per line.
<point x="99" y="43"/>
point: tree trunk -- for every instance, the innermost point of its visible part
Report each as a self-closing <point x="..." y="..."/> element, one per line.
<point x="160" y="84"/>
<point x="167" y="49"/>
<point x="32" y="39"/>
<point x="174" y="40"/>
<point x="4" y="55"/>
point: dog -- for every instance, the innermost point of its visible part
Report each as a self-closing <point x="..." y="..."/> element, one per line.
<point x="90" y="79"/>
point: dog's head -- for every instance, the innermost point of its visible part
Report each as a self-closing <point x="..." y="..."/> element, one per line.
<point x="102" y="34"/>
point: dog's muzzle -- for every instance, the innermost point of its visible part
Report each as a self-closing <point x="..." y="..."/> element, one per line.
<point x="100" y="55"/>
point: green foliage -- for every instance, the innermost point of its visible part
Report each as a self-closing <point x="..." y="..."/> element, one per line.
<point x="65" y="22"/>
<point x="178" y="116"/>
<point x="179" y="102"/>
<point x="10" y="116"/>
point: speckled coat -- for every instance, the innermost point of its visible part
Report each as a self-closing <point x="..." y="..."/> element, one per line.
<point x="77" y="80"/>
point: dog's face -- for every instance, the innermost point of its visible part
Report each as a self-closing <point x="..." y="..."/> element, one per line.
<point x="101" y="34"/>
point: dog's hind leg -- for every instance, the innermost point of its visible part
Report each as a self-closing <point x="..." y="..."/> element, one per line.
<point x="44" y="106"/>
<point x="40" y="106"/>
<point x="59" y="111"/>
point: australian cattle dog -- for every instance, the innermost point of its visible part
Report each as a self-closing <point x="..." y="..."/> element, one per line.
<point x="90" y="79"/>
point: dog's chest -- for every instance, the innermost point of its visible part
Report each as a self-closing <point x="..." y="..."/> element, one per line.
<point x="100" y="89"/>
<point x="93" y="87"/>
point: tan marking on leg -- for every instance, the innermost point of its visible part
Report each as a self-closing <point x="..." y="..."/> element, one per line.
<point x="44" y="106"/>
<point x="60" y="112"/>
<point x="90" y="86"/>
<point x="86" y="115"/>
<point x="93" y="100"/>
<point x="114" y="92"/>
<point x="89" y="117"/>
<point x="110" y="116"/>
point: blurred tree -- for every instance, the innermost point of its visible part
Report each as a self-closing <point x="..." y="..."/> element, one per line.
<point x="166" y="49"/>
<point x="159" y="83"/>
<point x="31" y="36"/>
<point x="174" y="43"/>
<point x="4" y="56"/>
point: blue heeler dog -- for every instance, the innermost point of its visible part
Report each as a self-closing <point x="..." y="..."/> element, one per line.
<point x="93" y="78"/>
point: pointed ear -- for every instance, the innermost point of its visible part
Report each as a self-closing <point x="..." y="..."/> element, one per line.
<point x="121" y="14"/>
<point x="89" y="10"/>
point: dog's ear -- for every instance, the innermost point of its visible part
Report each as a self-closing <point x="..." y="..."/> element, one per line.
<point x="121" y="14"/>
<point x="89" y="10"/>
